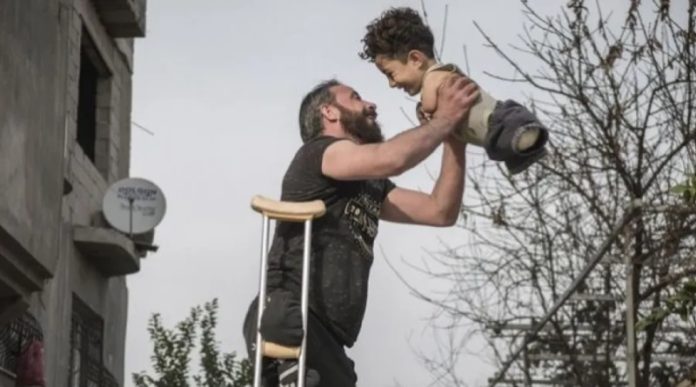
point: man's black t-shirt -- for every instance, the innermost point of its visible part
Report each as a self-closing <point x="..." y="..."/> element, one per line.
<point x="342" y="241"/>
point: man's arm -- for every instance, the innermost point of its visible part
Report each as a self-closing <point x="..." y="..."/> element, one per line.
<point x="345" y="160"/>
<point x="439" y="208"/>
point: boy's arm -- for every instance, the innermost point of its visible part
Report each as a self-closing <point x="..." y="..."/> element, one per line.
<point x="441" y="206"/>
<point x="346" y="160"/>
<point x="431" y="83"/>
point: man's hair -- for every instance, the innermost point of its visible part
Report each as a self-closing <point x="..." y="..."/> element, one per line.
<point x="396" y="32"/>
<point x="310" y="109"/>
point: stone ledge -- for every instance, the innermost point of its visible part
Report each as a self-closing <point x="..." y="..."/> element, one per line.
<point x="123" y="18"/>
<point x="113" y="253"/>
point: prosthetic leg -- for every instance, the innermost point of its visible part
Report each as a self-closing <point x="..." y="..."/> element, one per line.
<point x="288" y="212"/>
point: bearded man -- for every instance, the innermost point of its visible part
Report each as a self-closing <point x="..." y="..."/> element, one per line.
<point x="346" y="163"/>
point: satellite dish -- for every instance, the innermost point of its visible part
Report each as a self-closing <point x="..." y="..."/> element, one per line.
<point x="134" y="205"/>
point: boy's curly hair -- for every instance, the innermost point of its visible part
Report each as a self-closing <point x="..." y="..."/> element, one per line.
<point x="396" y="32"/>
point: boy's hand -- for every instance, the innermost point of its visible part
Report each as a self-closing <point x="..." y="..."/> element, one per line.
<point x="455" y="97"/>
<point x="422" y="117"/>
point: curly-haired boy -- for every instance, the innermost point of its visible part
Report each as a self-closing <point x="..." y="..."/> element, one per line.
<point x="401" y="46"/>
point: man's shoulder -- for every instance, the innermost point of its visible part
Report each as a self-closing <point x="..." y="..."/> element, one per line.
<point x="304" y="179"/>
<point x="319" y="142"/>
<point x="311" y="153"/>
<point x="317" y="146"/>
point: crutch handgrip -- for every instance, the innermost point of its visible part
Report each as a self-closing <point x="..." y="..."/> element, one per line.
<point x="288" y="211"/>
<point x="278" y="351"/>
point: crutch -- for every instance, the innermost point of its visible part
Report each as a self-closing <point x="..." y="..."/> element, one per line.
<point x="288" y="212"/>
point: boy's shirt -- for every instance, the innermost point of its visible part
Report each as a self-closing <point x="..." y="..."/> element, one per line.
<point x="475" y="128"/>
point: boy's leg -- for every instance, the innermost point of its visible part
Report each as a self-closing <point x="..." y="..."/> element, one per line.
<point x="529" y="136"/>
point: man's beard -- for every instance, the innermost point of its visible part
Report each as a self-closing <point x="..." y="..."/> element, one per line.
<point x="357" y="124"/>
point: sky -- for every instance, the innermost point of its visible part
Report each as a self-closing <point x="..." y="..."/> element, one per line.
<point x="219" y="83"/>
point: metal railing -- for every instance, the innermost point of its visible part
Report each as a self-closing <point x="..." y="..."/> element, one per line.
<point x="14" y="339"/>
<point x="628" y="216"/>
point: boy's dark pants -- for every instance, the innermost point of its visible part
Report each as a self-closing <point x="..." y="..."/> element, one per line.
<point x="506" y="124"/>
<point x="324" y="353"/>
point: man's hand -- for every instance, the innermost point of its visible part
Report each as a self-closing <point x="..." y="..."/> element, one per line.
<point x="455" y="96"/>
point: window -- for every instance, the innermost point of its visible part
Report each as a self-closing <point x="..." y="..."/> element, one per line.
<point x="86" y="341"/>
<point x="93" y="79"/>
<point x="108" y="380"/>
<point x="87" y="107"/>
<point x="14" y="339"/>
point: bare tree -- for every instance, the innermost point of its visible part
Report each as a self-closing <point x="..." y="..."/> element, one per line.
<point x="619" y="94"/>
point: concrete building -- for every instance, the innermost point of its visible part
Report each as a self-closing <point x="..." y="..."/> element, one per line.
<point x="65" y="128"/>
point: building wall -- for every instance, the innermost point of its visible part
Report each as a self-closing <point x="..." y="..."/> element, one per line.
<point x="40" y="46"/>
<point x="32" y="117"/>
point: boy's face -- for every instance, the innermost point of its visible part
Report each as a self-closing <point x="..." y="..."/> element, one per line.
<point x="406" y="75"/>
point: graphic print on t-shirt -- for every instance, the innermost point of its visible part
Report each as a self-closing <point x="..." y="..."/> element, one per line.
<point x="362" y="213"/>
